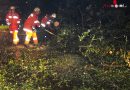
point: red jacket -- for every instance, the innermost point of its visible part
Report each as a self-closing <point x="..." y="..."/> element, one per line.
<point x="45" y="21"/>
<point x="31" y="22"/>
<point x="13" y="20"/>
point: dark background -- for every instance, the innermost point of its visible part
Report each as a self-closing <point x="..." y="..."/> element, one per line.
<point x="69" y="10"/>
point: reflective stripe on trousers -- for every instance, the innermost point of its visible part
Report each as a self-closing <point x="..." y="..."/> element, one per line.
<point x="35" y="40"/>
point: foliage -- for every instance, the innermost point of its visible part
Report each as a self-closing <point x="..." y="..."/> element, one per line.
<point x="88" y="53"/>
<point x="4" y="28"/>
<point x="94" y="46"/>
<point x="66" y="39"/>
<point x="58" y="71"/>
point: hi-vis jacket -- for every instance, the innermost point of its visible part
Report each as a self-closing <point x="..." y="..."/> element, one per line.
<point x="13" y="20"/>
<point x="31" y="22"/>
<point x="45" y="22"/>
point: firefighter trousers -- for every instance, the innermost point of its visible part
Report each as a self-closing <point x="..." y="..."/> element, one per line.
<point x="28" y="37"/>
<point x="15" y="37"/>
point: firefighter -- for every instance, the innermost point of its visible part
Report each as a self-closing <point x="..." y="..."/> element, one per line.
<point x="13" y="21"/>
<point x="49" y="24"/>
<point x="45" y="21"/>
<point x="43" y="34"/>
<point x="29" y="26"/>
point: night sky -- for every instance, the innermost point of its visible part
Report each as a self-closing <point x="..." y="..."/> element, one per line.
<point x="25" y="7"/>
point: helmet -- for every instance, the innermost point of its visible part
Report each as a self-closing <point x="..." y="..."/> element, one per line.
<point x="12" y="8"/>
<point x="36" y="9"/>
<point x="54" y="15"/>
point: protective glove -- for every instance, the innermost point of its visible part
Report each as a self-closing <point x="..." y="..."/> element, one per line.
<point x="8" y="23"/>
<point x="43" y="25"/>
<point x="34" y="29"/>
<point x="48" y="23"/>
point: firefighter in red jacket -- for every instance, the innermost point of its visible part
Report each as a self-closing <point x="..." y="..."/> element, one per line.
<point x="13" y="21"/>
<point x="45" y="21"/>
<point x="42" y="34"/>
<point x="49" y="24"/>
<point x="29" y="26"/>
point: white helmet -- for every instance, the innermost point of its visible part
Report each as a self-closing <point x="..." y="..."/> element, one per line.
<point x="12" y="8"/>
<point x="54" y="15"/>
<point x="36" y="9"/>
